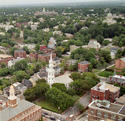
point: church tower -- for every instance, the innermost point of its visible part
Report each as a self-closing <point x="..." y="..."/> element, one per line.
<point x="12" y="98"/>
<point x="51" y="72"/>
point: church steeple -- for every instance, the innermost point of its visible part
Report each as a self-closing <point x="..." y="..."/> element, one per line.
<point x="12" y="98"/>
<point x="51" y="72"/>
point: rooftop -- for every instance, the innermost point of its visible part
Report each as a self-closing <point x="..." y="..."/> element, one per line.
<point x="123" y="59"/>
<point x="4" y="56"/>
<point x="102" y="86"/>
<point x="65" y="79"/>
<point x="23" y="105"/>
<point x="84" y="62"/>
<point x="119" y="77"/>
<point x="114" y="108"/>
<point x="121" y="100"/>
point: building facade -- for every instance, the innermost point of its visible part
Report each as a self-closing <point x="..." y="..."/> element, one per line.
<point x="117" y="79"/>
<point x="104" y="91"/>
<point x="20" y="53"/>
<point x="17" y="109"/>
<point x="45" y="57"/>
<point x="106" y="111"/>
<point x="83" y="66"/>
<point x="120" y="64"/>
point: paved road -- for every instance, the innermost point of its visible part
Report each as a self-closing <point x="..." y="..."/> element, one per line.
<point x="82" y="117"/>
<point x="84" y="100"/>
<point x="48" y="114"/>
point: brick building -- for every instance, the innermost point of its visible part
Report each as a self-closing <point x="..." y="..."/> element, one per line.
<point x="17" y="109"/>
<point x="117" y="79"/>
<point x="83" y="66"/>
<point x="5" y="58"/>
<point x="104" y="91"/>
<point x="120" y="64"/>
<point x="42" y="47"/>
<point x="33" y="56"/>
<point x="46" y="57"/>
<point x="20" y="53"/>
<point x="105" y="111"/>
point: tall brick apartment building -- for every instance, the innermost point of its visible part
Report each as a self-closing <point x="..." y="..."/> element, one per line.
<point x="20" y="53"/>
<point x="83" y="66"/>
<point x="104" y="91"/>
<point x="120" y="64"/>
<point x="17" y="109"/>
<point x="105" y="111"/>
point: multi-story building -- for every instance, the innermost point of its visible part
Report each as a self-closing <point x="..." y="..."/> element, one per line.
<point x="117" y="79"/>
<point x="46" y="57"/>
<point x="13" y="108"/>
<point x="83" y="66"/>
<point x="20" y="53"/>
<point x="104" y="91"/>
<point x="120" y="64"/>
<point x="105" y="111"/>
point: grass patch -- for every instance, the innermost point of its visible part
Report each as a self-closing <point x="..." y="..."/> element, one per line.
<point x="47" y="105"/>
<point x="106" y="73"/>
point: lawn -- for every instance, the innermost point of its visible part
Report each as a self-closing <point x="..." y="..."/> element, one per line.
<point x="47" y="105"/>
<point x="106" y="73"/>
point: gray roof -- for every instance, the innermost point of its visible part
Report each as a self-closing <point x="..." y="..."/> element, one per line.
<point x="123" y="59"/>
<point x="20" y="50"/>
<point x="9" y="112"/>
<point x="84" y="62"/>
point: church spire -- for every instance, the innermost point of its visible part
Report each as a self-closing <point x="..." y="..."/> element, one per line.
<point x="51" y="71"/>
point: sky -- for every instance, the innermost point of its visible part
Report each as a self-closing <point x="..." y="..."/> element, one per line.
<point x="13" y="2"/>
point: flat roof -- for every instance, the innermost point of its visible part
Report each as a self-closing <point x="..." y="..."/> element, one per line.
<point x="113" y="108"/>
<point x="119" y="76"/>
<point x="4" y="56"/>
<point x="121" y="100"/>
<point x="105" y="86"/>
<point x="84" y="62"/>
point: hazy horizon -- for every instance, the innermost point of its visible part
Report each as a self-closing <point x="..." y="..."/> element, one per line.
<point x="23" y="2"/>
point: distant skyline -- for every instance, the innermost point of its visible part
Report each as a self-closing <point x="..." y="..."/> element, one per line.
<point x="22" y="2"/>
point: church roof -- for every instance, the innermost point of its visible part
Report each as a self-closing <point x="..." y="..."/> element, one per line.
<point x="65" y="79"/>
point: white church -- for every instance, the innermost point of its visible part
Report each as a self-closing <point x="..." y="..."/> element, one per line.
<point x="51" y="79"/>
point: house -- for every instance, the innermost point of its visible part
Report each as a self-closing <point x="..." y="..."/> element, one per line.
<point x="20" y="53"/>
<point x="113" y="52"/>
<point x="68" y="35"/>
<point x="19" y="89"/>
<point x="15" y="108"/>
<point x="105" y="111"/>
<point x="57" y="33"/>
<point x="42" y="47"/>
<point x="33" y="56"/>
<point x="4" y="58"/>
<point x="73" y="47"/>
<point x="94" y="44"/>
<point x="42" y="74"/>
<point x="27" y="83"/>
<point x="13" y="61"/>
<point x="52" y="43"/>
<point x="120" y="64"/>
<point x="83" y="66"/>
<point x="71" y="62"/>
<point x="105" y="91"/>
<point x="117" y="79"/>
<point x="33" y="79"/>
